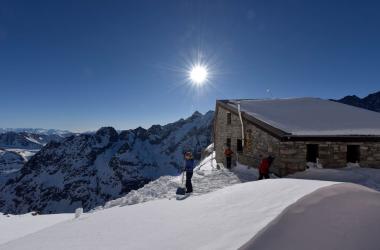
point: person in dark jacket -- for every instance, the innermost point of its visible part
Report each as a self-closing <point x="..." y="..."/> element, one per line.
<point x="264" y="167"/>
<point x="189" y="167"/>
<point x="228" y="153"/>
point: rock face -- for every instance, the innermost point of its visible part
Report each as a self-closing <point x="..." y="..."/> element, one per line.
<point x="371" y="102"/>
<point x="10" y="161"/>
<point x="87" y="170"/>
<point x="16" y="147"/>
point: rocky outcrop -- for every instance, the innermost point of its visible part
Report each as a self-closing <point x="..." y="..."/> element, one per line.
<point x="10" y="161"/>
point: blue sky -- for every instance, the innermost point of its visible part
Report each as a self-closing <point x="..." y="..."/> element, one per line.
<point x="80" y="65"/>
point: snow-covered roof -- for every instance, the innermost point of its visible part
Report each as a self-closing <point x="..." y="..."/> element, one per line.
<point x="311" y="116"/>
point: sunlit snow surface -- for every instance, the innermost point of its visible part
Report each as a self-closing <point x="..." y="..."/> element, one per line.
<point x="369" y="177"/>
<point x="206" y="178"/>
<point x="233" y="213"/>
<point x="16" y="226"/>
<point x="224" y="219"/>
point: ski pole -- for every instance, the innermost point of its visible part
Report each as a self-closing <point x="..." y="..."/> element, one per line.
<point x="183" y="172"/>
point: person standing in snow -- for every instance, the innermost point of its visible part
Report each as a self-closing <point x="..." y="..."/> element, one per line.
<point x="189" y="166"/>
<point x="228" y="153"/>
<point x="264" y="167"/>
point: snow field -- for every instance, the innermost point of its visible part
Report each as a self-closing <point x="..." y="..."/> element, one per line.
<point x="224" y="219"/>
<point x="16" y="226"/>
<point x="218" y="215"/>
<point x="369" y="177"/>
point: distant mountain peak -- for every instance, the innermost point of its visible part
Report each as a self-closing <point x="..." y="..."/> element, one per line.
<point x="371" y="102"/>
<point x="197" y="113"/>
<point x="107" y="131"/>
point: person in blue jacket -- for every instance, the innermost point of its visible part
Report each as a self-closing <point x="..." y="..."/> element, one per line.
<point x="189" y="166"/>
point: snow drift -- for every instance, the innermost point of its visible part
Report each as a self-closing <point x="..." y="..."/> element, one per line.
<point x="16" y="226"/>
<point x="224" y="219"/>
<point x="343" y="216"/>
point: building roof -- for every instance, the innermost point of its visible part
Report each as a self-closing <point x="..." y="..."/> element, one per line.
<point x="309" y="117"/>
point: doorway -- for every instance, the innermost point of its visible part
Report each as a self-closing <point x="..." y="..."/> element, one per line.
<point x="312" y="152"/>
<point x="353" y="153"/>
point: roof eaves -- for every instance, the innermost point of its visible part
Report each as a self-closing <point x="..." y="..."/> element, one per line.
<point x="333" y="138"/>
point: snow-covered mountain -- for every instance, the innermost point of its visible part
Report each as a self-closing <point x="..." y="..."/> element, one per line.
<point x="13" y="159"/>
<point x="26" y="140"/>
<point x="18" y="147"/>
<point x="40" y="131"/>
<point x="10" y="161"/>
<point x="87" y="170"/>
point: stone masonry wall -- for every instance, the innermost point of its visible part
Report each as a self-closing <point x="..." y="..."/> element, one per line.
<point x="257" y="142"/>
<point x="331" y="154"/>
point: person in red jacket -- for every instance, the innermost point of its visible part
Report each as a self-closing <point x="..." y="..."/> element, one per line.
<point x="264" y="167"/>
<point x="228" y="153"/>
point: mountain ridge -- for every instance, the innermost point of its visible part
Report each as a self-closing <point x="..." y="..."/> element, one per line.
<point x="41" y="131"/>
<point x="370" y="102"/>
<point x="87" y="170"/>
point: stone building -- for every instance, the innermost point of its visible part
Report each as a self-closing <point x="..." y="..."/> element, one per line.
<point x="297" y="132"/>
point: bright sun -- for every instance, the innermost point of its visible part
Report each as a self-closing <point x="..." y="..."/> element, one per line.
<point x="198" y="74"/>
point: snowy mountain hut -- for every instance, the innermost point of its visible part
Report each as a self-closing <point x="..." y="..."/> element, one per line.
<point x="297" y="132"/>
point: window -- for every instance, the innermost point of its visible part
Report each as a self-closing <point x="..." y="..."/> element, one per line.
<point x="228" y="118"/>
<point x="228" y="142"/>
<point x="353" y="153"/>
<point x="239" y="145"/>
<point x="312" y="152"/>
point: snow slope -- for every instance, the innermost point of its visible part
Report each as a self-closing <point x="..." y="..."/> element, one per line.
<point x="219" y="215"/>
<point x="13" y="159"/>
<point x="10" y="161"/>
<point x="24" y="153"/>
<point x="369" y="177"/>
<point x="344" y="216"/>
<point x="224" y="219"/>
<point x="17" y="226"/>
<point x="206" y="179"/>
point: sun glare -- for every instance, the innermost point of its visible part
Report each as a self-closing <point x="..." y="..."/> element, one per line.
<point x="198" y="74"/>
